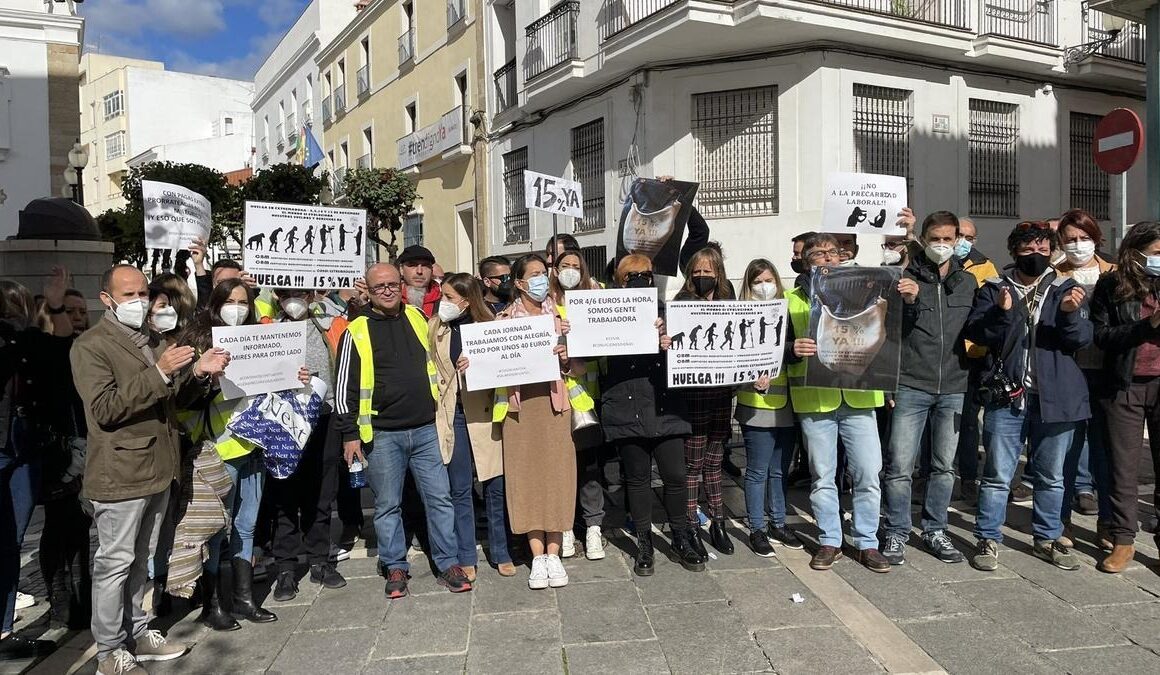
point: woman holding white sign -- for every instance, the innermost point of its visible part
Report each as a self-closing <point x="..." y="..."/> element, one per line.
<point x="539" y="456"/>
<point x="767" y="426"/>
<point x="466" y="430"/>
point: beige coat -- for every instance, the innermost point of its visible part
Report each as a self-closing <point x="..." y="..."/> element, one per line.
<point x="486" y="437"/>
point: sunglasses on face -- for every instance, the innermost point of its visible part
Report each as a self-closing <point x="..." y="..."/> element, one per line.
<point x="500" y="278"/>
<point x="1033" y="225"/>
<point x="647" y="276"/>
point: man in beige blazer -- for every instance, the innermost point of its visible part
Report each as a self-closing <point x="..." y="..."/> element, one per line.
<point x="132" y="389"/>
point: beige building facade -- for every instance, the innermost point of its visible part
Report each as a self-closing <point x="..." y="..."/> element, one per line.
<point x="401" y="87"/>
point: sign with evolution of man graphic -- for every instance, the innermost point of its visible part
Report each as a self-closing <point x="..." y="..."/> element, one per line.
<point x="722" y="344"/>
<point x="304" y="246"/>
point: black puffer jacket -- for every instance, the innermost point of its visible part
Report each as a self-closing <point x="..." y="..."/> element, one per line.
<point x="933" y="353"/>
<point x="637" y="404"/>
<point x="1119" y="331"/>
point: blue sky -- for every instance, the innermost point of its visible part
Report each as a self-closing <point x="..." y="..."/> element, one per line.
<point x="228" y="38"/>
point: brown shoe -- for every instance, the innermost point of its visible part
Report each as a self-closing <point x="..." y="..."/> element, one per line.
<point x="1103" y="536"/>
<point x="874" y="561"/>
<point x="1119" y="559"/>
<point x="825" y="556"/>
<point x="506" y="569"/>
<point x="469" y="572"/>
<point x="1066" y="540"/>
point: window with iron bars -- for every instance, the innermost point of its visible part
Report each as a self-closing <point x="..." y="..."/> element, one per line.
<point x="883" y="118"/>
<point x="588" y="170"/>
<point x="516" y="227"/>
<point x="736" y="152"/>
<point x="596" y="259"/>
<point x="413" y="230"/>
<point x="1090" y="190"/>
<point x="993" y="144"/>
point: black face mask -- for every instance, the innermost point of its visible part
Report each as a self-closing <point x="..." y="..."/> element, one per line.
<point x="703" y="286"/>
<point x="1032" y="264"/>
<point x="798" y="265"/>
<point x="503" y="291"/>
<point x="638" y="282"/>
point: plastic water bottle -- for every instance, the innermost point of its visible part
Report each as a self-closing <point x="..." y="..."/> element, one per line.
<point x="358" y="477"/>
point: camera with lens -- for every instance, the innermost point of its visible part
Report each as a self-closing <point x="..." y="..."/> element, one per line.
<point x="997" y="390"/>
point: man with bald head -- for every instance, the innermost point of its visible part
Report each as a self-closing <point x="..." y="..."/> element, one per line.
<point x="385" y="393"/>
<point x="132" y="386"/>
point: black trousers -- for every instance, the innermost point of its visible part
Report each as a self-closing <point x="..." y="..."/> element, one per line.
<point x="637" y="455"/>
<point x="302" y="503"/>
<point x="64" y="561"/>
<point x="1127" y="414"/>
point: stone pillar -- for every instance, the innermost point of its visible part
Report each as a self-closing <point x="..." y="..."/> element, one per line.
<point x="29" y="261"/>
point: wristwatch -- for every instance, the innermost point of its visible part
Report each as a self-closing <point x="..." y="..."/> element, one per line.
<point x="54" y="310"/>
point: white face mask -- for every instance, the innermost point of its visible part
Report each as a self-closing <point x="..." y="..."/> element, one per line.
<point x="891" y="257"/>
<point x="131" y="313"/>
<point x="234" y="315"/>
<point x="939" y="253"/>
<point x="848" y="345"/>
<point x="569" y="277"/>
<point x="766" y="290"/>
<point x="295" y="308"/>
<point x="164" y="319"/>
<point x="1080" y="253"/>
<point x="449" y="312"/>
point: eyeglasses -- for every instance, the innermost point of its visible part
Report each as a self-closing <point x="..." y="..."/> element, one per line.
<point x="821" y="255"/>
<point x="893" y="245"/>
<point x="500" y="278"/>
<point x="382" y="289"/>
<point x="647" y="276"/>
<point x="1033" y="225"/>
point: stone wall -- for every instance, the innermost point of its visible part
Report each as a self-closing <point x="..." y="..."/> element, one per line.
<point x="29" y="261"/>
<point x="64" y="114"/>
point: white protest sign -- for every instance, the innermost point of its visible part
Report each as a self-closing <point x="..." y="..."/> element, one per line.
<point x="863" y="203"/>
<point x="510" y="352"/>
<point x="304" y="246"/>
<point x="721" y="344"/>
<point x="263" y="358"/>
<point x="612" y="322"/>
<point x="174" y="216"/>
<point x="554" y="195"/>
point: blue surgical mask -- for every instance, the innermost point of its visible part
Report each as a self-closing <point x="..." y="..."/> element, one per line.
<point x="1152" y="265"/>
<point x="963" y="248"/>
<point x="538" y="288"/>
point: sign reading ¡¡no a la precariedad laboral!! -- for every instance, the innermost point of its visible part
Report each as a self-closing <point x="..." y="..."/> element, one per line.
<point x="263" y="358"/>
<point x="721" y="344"/>
<point x="510" y="352"/>
<point x="304" y="246"/>
<point x="612" y="322"/>
<point x="863" y="203"/>
<point x="174" y="216"/>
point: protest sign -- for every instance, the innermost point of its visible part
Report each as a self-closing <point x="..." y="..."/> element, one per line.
<point x="174" y="216"/>
<point x="263" y="358"/>
<point x="653" y="219"/>
<point x="612" y="322"/>
<point x="554" y="195"/>
<point x="863" y="203"/>
<point x="510" y="352"/>
<point x="304" y="246"/>
<point x="721" y="344"/>
<point x="856" y="320"/>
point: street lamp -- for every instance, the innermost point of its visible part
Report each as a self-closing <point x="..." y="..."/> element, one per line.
<point x="78" y="158"/>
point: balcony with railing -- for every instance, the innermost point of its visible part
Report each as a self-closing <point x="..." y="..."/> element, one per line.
<point x="1034" y="21"/>
<point x="951" y="13"/>
<point x="1125" y="45"/>
<point x="363" y="80"/>
<point x="551" y="39"/>
<point x="264" y="146"/>
<point x="280" y="134"/>
<point x="326" y="113"/>
<point x="506" y="86"/>
<point x="292" y="128"/>
<point x="456" y="11"/>
<point x="364" y="162"/>
<point x="338" y="181"/>
<point x="407" y="47"/>
<point x="306" y="114"/>
<point x="340" y="100"/>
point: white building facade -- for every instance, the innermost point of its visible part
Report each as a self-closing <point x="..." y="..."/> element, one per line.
<point x="979" y="103"/>
<point x="39" y="50"/>
<point x="131" y="107"/>
<point x="287" y="94"/>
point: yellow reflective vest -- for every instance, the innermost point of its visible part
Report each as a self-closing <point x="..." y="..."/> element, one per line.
<point x="818" y="399"/>
<point x="774" y="398"/>
<point x="211" y="422"/>
<point x="361" y="337"/>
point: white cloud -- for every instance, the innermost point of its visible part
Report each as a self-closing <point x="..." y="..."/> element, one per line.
<point x="153" y="19"/>
<point x="238" y="68"/>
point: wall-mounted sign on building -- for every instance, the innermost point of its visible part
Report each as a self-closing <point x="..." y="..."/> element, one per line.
<point x="433" y="140"/>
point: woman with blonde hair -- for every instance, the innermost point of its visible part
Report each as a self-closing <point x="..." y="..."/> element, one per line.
<point x="466" y="431"/>
<point x="767" y="427"/>
<point x="709" y="407"/>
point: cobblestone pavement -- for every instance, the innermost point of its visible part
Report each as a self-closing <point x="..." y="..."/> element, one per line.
<point x="738" y="616"/>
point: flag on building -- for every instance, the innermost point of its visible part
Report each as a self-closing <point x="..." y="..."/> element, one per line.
<point x="311" y="150"/>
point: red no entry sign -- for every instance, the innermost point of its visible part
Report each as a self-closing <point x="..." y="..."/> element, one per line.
<point x="1117" y="141"/>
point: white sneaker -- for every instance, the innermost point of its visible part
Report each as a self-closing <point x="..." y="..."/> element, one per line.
<point x="538" y="579"/>
<point x="338" y="553"/>
<point x="568" y="548"/>
<point x="593" y="544"/>
<point x="24" y="600"/>
<point x="557" y="575"/>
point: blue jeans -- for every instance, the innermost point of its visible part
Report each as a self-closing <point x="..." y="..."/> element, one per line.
<point x="388" y="459"/>
<point x="1005" y="430"/>
<point x="249" y="476"/>
<point x="912" y="409"/>
<point x="20" y="479"/>
<point x="859" y="432"/>
<point x="459" y="475"/>
<point x="768" y="453"/>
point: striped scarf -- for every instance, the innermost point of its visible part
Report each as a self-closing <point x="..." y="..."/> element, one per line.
<point x="200" y="514"/>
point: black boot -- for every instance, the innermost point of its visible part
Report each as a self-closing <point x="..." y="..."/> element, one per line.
<point x="244" y="605"/>
<point x="694" y="540"/>
<point x="212" y="613"/>
<point x="685" y="552"/>
<point x="644" y="553"/>
<point x="162" y="601"/>
<point x="719" y="537"/>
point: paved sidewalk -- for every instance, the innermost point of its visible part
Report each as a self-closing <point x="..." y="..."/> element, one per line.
<point x="739" y="616"/>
